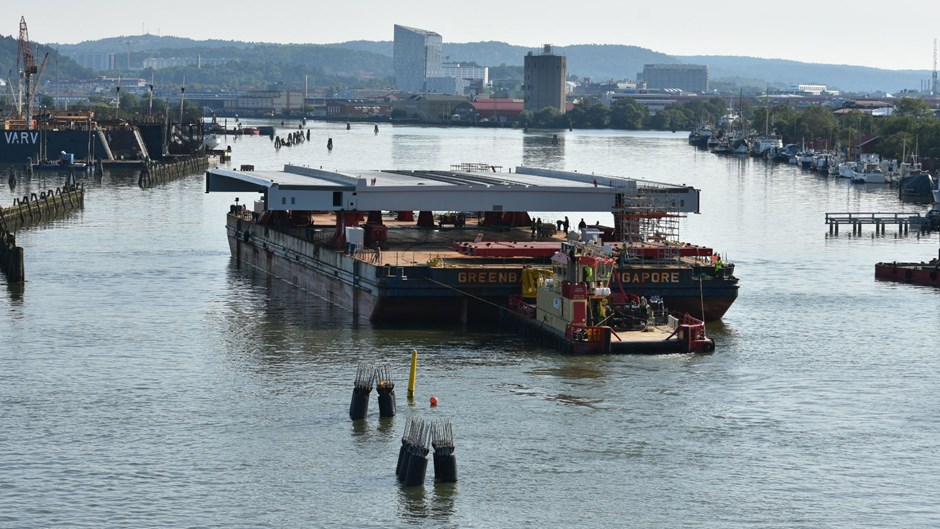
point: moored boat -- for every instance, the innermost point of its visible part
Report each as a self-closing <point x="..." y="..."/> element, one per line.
<point x="923" y="273"/>
<point x="700" y="136"/>
<point x="767" y="146"/>
<point x="66" y="163"/>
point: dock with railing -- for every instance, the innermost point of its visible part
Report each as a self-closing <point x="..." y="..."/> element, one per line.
<point x="905" y="221"/>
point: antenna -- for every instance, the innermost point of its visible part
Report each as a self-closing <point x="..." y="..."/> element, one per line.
<point x="933" y="89"/>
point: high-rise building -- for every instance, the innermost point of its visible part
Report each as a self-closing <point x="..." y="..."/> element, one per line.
<point x="417" y="56"/>
<point x="685" y="77"/>
<point x="544" y="81"/>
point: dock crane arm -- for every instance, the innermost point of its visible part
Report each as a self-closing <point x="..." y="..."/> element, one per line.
<point x="31" y="88"/>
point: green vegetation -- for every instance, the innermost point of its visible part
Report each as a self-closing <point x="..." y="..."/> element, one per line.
<point x="911" y="127"/>
<point x="626" y="113"/>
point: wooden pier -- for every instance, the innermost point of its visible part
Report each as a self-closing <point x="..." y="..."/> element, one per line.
<point x="161" y="173"/>
<point x="33" y="209"/>
<point x="905" y="221"/>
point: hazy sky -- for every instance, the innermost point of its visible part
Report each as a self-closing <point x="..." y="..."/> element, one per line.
<point x="893" y="35"/>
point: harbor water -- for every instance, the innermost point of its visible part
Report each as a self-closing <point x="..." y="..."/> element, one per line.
<point x="147" y="382"/>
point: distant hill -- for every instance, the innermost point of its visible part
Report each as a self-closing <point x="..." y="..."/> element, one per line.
<point x="373" y="59"/>
<point x="146" y="42"/>
<point x="601" y="62"/>
<point x="784" y="72"/>
<point x="617" y="62"/>
<point x="55" y="65"/>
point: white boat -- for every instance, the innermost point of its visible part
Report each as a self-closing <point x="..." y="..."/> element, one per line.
<point x="868" y="170"/>
<point x="805" y="159"/>
<point x="821" y="162"/>
<point x="847" y="169"/>
<point x="740" y="146"/>
<point x="870" y="175"/>
<point x="766" y="145"/>
<point x="835" y="160"/>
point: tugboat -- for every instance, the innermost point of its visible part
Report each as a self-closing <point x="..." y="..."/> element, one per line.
<point x="575" y="309"/>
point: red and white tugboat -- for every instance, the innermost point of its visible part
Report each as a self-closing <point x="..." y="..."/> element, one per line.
<point x="578" y="308"/>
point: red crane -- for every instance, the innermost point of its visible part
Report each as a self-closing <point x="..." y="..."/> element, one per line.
<point x="25" y="57"/>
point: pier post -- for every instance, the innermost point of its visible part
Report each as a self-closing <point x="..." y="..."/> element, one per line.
<point x="385" y="389"/>
<point x="11" y="258"/>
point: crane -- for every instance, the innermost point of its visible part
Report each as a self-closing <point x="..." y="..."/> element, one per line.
<point x="30" y="73"/>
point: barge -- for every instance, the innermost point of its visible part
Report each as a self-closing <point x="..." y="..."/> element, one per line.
<point x="923" y="273"/>
<point x="351" y="237"/>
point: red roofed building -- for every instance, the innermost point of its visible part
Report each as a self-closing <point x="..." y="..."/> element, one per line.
<point x="499" y="110"/>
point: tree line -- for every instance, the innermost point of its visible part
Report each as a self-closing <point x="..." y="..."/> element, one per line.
<point x="912" y="128"/>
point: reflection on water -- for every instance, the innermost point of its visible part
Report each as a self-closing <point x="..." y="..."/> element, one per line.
<point x="15" y="292"/>
<point x="426" y="148"/>
<point x="442" y="500"/>
<point x="413" y="503"/>
<point x="417" y="503"/>
<point x="543" y="149"/>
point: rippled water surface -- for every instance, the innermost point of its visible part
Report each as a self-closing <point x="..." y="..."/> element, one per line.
<point x="145" y="382"/>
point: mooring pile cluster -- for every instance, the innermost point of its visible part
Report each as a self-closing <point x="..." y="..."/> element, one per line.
<point x="413" y="455"/>
<point x="366" y="377"/>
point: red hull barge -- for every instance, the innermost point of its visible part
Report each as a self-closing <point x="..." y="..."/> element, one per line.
<point x="925" y="274"/>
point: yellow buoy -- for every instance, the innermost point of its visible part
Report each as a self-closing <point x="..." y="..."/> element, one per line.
<point x="411" y="378"/>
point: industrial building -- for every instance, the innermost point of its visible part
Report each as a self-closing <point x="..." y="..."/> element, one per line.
<point x="685" y="77"/>
<point x="544" y="80"/>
